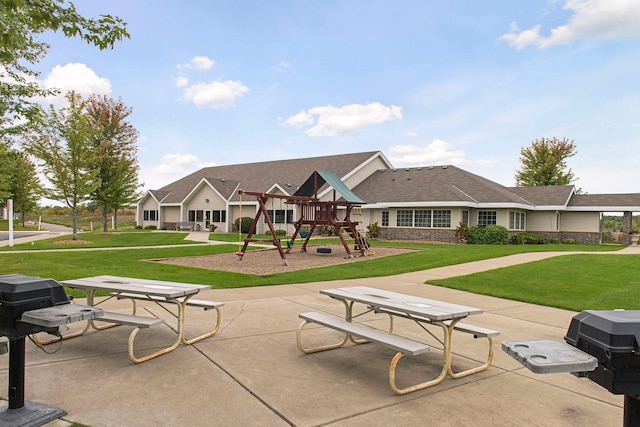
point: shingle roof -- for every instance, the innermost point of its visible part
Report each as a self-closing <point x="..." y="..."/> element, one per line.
<point x="433" y="184"/>
<point x="262" y="176"/>
<point x="630" y="200"/>
<point x="550" y="195"/>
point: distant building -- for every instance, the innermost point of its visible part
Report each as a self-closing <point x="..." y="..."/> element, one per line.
<point x="419" y="203"/>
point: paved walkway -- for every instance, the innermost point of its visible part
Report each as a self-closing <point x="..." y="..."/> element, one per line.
<point x="252" y="374"/>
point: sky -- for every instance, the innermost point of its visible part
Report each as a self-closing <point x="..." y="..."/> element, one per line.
<point x="463" y="82"/>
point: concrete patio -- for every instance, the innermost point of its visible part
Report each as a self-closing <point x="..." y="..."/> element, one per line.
<point x="252" y="373"/>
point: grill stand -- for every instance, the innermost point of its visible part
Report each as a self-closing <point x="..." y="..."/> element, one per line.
<point x="631" y="411"/>
<point x="19" y="412"/>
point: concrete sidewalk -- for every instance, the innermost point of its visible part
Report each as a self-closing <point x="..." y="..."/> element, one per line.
<point x="252" y="373"/>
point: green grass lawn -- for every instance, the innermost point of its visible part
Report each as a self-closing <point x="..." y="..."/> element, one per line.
<point x="97" y="239"/>
<point x="574" y="282"/>
<point x="17" y="226"/>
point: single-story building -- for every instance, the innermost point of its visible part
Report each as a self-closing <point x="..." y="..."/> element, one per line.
<point x="418" y="203"/>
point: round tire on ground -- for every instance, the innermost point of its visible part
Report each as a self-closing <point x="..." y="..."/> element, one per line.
<point x="323" y="250"/>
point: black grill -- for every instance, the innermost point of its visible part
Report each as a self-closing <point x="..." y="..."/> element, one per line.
<point x="24" y="293"/>
<point x="613" y="337"/>
<point x="22" y="296"/>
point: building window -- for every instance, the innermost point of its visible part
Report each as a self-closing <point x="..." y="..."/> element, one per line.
<point x="517" y="220"/>
<point x="219" y="216"/>
<point x="385" y="218"/>
<point x="149" y="215"/>
<point x="281" y="216"/>
<point x="422" y="218"/>
<point x="465" y="217"/>
<point x="191" y="216"/>
<point x="487" y="218"/>
<point x="441" y="218"/>
<point x="404" y="218"/>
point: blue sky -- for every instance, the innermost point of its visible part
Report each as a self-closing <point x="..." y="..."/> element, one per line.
<point x="467" y="83"/>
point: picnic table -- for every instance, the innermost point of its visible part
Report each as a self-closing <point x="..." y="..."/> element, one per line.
<point x="160" y="292"/>
<point x="421" y="310"/>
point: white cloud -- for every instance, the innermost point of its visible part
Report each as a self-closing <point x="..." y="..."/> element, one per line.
<point x="283" y="66"/>
<point x="590" y="19"/>
<point x="411" y="134"/>
<point x="200" y="63"/>
<point x="347" y="120"/>
<point x="438" y="152"/>
<point x="182" y="81"/>
<point x="172" y="167"/>
<point x="77" y="77"/>
<point x="217" y="95"/>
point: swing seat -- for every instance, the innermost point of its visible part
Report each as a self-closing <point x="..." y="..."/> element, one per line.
<point x="304" y="234"/>
<point x="323" y="250"/>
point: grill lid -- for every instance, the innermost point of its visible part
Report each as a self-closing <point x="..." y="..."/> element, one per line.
<point x="611" y="331"/>
<point x="17" y="290"/>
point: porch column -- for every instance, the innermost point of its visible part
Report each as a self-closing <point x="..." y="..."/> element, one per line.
<point x="626" y="228"/>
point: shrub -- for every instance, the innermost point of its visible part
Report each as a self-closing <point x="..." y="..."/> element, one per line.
<point x="374" y="230"/>
<point x="462" y="232"/>
<point x="247" y="222"/>
<point x="569" y="241"/>
<point x="476" y="235"/>
<point x="554" y="240"/>
<point x="496" y="235"/>
<point x="281" y="233"/>
<point x="527" y="239"/>
<point x="150" y="227"/>
<point x="489" y="235"/>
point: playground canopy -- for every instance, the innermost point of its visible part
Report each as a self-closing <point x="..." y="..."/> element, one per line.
<point x="318" y="179"/>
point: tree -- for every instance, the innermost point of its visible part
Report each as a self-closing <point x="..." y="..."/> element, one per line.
<point x="5" y="193"/>
<point x="20" y="24"/>
<point x="116" y="155"/>
<point x="544" y="163"/>
<point x="62" y="142"/>
<point x="23" y="181"/>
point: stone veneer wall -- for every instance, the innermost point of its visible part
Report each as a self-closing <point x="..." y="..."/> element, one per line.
<point x="448" y="236"/>
<point x="587" y="238"/>
<point x="430" y="235"/>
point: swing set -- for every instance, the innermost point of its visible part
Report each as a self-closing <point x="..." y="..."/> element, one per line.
<point x="313" y="213"/>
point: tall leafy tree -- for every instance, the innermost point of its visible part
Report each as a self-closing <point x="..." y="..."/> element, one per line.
<point x="24" y="186"/>
<point x="63" y="144"/>
<point x="21" y="22"/>
<point x="5" y="193"/>
<point x="544" y="163"/>
<point x="116" y="155"/>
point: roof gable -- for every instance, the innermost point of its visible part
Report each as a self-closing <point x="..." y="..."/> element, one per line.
<point x="444" y="184"/>
<point x="262" y="176"/>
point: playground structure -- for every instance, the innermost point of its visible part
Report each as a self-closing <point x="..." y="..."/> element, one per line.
<point x="313" y="213"/>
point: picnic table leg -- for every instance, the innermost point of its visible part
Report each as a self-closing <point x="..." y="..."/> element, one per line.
<point x="446" y="363"/>
<point x="477" y="368"/>
<point x="320" y="348"/>
<point x="203" y="336"/>
<point x="172" y="347"/>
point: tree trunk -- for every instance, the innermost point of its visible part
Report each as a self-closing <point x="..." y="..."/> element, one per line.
<point x="74" y="213"/>
<point x="105" y="226"/>
<point x="115" y="218"/>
